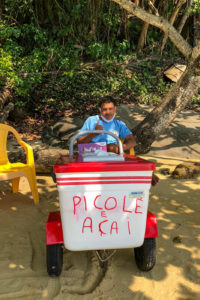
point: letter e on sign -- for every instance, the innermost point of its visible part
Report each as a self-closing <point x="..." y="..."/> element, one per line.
<point x="137" y="206"/>
<point x="103" y="214"/>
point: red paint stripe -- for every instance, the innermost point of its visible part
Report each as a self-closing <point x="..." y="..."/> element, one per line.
<point x="131" y="163"/>
<point x="102" y="182"/>
<point x="103" y="178"/>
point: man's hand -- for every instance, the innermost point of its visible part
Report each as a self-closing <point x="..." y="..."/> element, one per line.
<point x="112" y="148"/>
<point x="98" y="126"/>
<point x="129" y="142"/>
<point x="86" y="139"/>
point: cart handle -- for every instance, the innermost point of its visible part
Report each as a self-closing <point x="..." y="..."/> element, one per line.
<point x="71" y="146"/>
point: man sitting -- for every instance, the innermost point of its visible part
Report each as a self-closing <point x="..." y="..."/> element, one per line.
<point x="106" y="121"/>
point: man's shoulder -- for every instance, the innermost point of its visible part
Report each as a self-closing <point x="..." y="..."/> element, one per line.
<point x="120" y="123"/>
<point x="92" y="118"/>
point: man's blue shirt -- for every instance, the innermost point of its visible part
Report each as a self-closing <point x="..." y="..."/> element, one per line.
<point x="119" y="128"/>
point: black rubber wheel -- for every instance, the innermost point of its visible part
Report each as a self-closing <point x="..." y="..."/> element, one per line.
<point x="145" y="256"/>
<point x="54" y="259"/>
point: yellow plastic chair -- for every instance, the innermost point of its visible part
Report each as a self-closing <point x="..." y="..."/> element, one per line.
<point x="132" y="152"/>
<point x="14" y="171"/>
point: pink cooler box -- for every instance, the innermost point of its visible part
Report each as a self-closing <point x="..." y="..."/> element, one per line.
<point x="104" y="205"/>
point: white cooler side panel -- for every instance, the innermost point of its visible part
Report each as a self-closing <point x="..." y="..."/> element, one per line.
<point x="104" y="215"/>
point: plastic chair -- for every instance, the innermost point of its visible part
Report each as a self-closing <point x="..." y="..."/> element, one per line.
<point x="14" y="171"/>
<point x="132" y="152"/>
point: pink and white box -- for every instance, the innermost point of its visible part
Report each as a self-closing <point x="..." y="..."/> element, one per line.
<point x="91" y="147"/>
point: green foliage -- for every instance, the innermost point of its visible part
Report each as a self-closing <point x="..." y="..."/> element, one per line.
<point x="49" y="77"/>
<point x="196" y="7"/>
<point x="196" y="100"/>
<point x="104" y="51"/>
<point x="78" y="92"/>
<point x="28" y="52"/>
<point x="22" y="10"/>
<point x="153" y="35"/>
<point x="6" y="68"/>
<point x="61" y="56"/>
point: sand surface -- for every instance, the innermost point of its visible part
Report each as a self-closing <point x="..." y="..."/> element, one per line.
<point x="176" y="274"/>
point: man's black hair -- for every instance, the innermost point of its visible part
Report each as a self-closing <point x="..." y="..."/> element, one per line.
<point x="107" y="99"/>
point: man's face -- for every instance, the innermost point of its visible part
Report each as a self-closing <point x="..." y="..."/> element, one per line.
<point x="108" y="110"/>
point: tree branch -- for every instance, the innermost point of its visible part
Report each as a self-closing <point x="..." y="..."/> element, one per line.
<point x="196" y="51"/>
<point x="153" y="8"/>
<point x="160" y="23"/>
<point x="4" y="114"/>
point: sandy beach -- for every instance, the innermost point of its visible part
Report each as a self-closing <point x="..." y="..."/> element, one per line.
<point x="176" y="274"/>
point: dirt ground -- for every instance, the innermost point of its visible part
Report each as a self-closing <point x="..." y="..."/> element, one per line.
<point x="176" y="274"/>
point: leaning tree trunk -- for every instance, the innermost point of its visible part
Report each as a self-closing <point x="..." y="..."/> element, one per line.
<point x="177" y="98"/>
<point x="180" y="95"/>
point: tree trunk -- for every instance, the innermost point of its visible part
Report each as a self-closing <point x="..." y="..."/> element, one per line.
<point x="196" y="29"/>
<point x="143" y="34"/>
<point x="171" y="21"/>
<point x="142" y="38"/>
<point x="180" y="95"/>
<point x="4" y="95"/>
<point x="44" y="158"/>
<point x="177" y="98"/>
<point x="5" y="113"/>
<point x="184" y="17"/>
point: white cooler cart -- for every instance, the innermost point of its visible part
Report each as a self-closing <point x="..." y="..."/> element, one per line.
<point x="103" y="205"/>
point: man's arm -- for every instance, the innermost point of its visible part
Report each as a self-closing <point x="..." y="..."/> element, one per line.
<point x="129" y="142"/>
<point x="87" y="138"/>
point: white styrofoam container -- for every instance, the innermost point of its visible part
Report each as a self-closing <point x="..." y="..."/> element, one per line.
<point x="100" y="155"/>
<point x="103" y="210"/>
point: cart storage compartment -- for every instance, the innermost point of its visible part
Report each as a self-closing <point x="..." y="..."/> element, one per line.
<point x="104" y="205"/>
